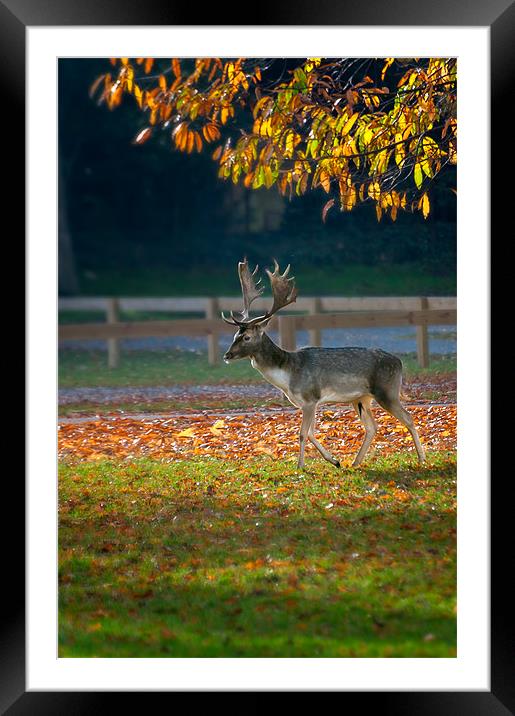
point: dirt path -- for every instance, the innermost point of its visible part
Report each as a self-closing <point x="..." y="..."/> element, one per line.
<point x="432" y="389"/>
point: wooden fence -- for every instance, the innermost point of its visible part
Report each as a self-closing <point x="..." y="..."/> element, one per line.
<point x="313" y="314"/>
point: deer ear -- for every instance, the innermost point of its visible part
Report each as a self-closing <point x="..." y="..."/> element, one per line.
<point x="263" y="324"/>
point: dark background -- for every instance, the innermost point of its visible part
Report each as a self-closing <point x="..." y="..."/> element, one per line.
<point x="128" y="208"/>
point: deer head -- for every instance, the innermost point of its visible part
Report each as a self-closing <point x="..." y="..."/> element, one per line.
<point x="250" y="330"/>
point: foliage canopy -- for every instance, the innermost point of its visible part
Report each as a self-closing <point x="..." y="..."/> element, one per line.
<point x="363" y="130"/>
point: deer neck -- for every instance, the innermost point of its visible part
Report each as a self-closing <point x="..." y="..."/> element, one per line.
<point x="269" y="357"/>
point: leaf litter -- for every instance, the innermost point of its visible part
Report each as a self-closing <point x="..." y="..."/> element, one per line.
<point x="237" y="435"/>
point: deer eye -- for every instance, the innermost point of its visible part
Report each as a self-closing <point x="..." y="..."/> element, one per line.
<point x="246" y="338"/>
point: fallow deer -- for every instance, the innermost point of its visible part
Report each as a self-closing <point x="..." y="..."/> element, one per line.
<point x="311" y="376"/>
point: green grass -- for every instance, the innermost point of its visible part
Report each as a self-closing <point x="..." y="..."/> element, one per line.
<point x="353" y="280"/>
<point x="155" y="368"/>
<point x="212" y="558"/>
<point x="438" y="364"/>
<point x="147" y="368"/>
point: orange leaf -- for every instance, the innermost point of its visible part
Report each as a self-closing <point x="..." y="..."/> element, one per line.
<point x="143" y="136"/>
<point x="176" y="67"/>
<point x="325" y="180"/>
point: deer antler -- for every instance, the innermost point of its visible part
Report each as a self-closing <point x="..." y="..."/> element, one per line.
<point x="284" y="292"/>
<point x="250" y="290"/>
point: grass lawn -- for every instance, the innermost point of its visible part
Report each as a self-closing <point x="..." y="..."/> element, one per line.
<point x="147" y="368"/>
<point x="406" y="279"/>
<point x="157" y="368"/>
<point x="252" y="558"/>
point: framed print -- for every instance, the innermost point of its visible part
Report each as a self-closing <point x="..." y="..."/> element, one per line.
<point x="56" y="664"/>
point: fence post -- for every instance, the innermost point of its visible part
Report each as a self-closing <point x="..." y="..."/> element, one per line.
<point x="315" y="334"/>
<point x="213" y="353"/>
<point x="113" y="346"/>
<point x="422" y="338"/>
<point x="287" y="333"/>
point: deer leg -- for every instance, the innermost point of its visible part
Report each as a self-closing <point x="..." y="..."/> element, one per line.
<point x="366" y="416"/>
<point x="321" y="449"/>
<point x="394" y="407"/>
<point x="308" y="415"/>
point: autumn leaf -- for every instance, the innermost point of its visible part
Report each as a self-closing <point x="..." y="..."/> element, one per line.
<point x="189" y="432"/>
<point x="325" y="180"/>
<point x="96" y="84"/>
<point x="326" y="208"/>
<point x="349" y="124"/>
<point x="387" y="64"/>
<point x="216" y="427"/>
<point x="316" y="121"/>
<point x="176" y="67"/>
<point x="143" y="136"/>
<point x="418" y="175"/>
<point x="235" y="436"/>
<point x="425" y="206"/>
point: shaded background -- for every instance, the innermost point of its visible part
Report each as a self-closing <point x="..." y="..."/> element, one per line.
<point x="148" y="220"/>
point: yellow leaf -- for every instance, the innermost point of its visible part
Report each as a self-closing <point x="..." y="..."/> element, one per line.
<point x="269" y="178"/>
<point x="260" y="104"/>
<point x="138" y="94"/>
<point x="130" y="79"/>
<point x="389" y="61"/>
<point x="349" y="124"/>
<point x="188" y="433"/>
<point x="425" y="206"/>
<point x="288" y="144"/>
<point x="417" y="175"/>
<point x="225" y="114"/>
<point x="215" y="428"/>
<point x="374" y="190"/>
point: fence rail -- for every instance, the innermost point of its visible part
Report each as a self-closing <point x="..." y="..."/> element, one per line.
<point x="320" y="313"/>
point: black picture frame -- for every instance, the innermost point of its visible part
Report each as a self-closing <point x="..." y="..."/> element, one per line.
<point x="15" y="17"/>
